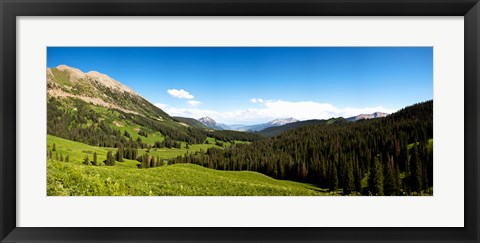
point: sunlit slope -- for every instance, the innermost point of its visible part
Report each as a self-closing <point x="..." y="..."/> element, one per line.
<point x="76" y="179"/>
<point x="69" y="179"/>
<point x="77" y="151"/>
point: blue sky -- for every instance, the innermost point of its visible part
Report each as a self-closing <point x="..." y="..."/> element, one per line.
<point x="256" y="84"/>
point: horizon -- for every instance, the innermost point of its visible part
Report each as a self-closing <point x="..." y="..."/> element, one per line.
<point x="298" y="120"/>
<point x="253" y="85"/>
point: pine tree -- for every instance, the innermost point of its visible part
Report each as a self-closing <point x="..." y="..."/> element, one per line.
<point x="54" y="148"/>
<point x="302" y="171"/>
<point x="146" y="160"/>
<point x="390" y="186"/>
<point x="416" y="172"/>
<point x="152" y="162"/>
<point x="85" y="160"/>
<point x="403" y="157"/>
<point x="424" y="158"/>
<point x="375" y="182"/>
<point x="333" y="177"/>
<point x="348" y="184"/>
<point x="398" y="179"/>
<point x="358" y="178"/>
<point x="119" y="154"/>
<point x="110" y="159"/>
<point x="134" y="153"/>
<point x="94" y="162"/>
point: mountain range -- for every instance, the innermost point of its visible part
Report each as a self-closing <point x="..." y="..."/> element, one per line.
<point x="72" y="85"/>
<point x="277" y="126"/>
<point x="259" y="127"/>
<point x="212" y="124"/>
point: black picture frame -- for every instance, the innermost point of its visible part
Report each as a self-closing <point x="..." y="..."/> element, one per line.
<point x="10" y="9"/>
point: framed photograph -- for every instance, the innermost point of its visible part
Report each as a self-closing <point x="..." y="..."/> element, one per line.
<point x="239" y="121"/>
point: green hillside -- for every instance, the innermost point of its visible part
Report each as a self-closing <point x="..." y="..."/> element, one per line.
<point x="340" y="155"/>
<point x="68" y="179"/>
<point x="101" y="90"/>
<point x="95" y="109"/>
<point x="275" y="131"/>
<point x="76" y="179"/>
<point x="77" y="151"/>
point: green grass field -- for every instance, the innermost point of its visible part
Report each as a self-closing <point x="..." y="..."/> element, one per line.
<point x="70" y="179"/>
<point x="77" y="151"/>
<point x="124" y="179"/>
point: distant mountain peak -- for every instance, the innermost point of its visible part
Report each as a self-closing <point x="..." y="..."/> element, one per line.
<point x="207" y="119"/>
<point x="283" y="121"/>
<point x="259" y="127"/>
<point x="380" y="114"/>
<point x="367" y="116"/>
<point x="210" y="123"/>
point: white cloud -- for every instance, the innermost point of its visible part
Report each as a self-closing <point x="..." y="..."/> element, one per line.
<point x="256" y="100"/>
<point x="312" y="110"/>
<point x="273" y="109"/>
<point x="180" y="93"/>
<point x="161" y="106"/>
<point x="194" y="102"/>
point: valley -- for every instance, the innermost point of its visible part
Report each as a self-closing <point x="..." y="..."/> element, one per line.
<point x="104" y="139"/>
<point x="72" y="177"/>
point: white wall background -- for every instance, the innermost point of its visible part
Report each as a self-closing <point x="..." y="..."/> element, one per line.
<point x="445" y="208"/>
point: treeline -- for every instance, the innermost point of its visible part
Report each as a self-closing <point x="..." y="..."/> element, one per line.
<point x="369" y="157"/>
<point x="275" y="131"/>
<point x="167" y="143"/>
<point x="148" y="161"/>
<point x="170" y="129"/>
<point x="231" y="136"/>
<point x="84" y="125"/>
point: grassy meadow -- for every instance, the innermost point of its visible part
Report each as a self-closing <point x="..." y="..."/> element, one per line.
<point x="77" y="151"/>
<point x="124" y="179"/>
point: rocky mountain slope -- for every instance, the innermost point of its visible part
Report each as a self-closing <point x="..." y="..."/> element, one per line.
<point x="99" y="89"/>
<point x="210" y="123"/>
<point x="94" y="108"/>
